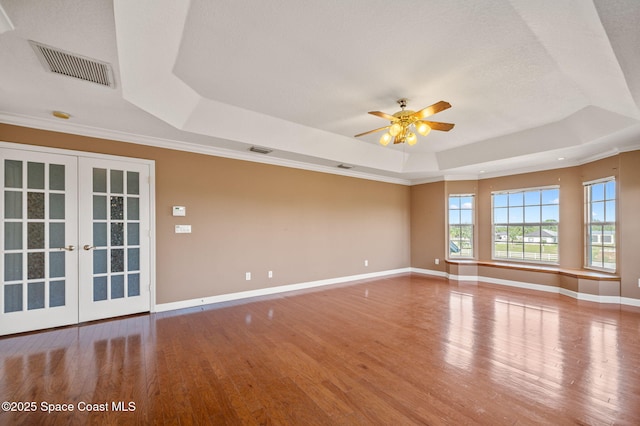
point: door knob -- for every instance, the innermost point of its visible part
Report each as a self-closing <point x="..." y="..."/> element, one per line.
<point x="88" y="247"/>
<point x="68" y="248"/>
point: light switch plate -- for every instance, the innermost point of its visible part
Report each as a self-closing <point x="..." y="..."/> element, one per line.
<point x="183" y="229"/>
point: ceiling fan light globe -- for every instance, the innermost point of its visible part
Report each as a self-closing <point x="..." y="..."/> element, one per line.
<point x="385" y="139"/>
<point x="395" y="129"/>
<point x="412" y="139"/>
<point x="422" y="128"/>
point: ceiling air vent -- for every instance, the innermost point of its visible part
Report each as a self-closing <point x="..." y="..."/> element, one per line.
<point x="345" y="166"/>
<point x="260" y="150"/>
<point x="72" y="65"/>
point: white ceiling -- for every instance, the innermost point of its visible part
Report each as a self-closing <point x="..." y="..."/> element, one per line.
<point x="529" y="82"/>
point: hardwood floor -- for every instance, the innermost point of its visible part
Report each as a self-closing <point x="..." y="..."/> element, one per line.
<point x="402" y="350"/>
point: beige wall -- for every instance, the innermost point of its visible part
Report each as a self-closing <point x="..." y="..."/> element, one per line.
<point x="251" y="217"/>
<point x="427" y="226"/>
<point x="629" y="218"/>
<point x="306" y="226"/>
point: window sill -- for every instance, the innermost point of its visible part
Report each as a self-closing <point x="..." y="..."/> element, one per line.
<point x="574" y="273"/>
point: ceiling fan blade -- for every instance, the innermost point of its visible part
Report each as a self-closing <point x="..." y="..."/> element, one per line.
<point x="433" y="109"/>
<point x="372" y="131"/>
<point x="435" y="125"/>
<point x="384" y="115"/>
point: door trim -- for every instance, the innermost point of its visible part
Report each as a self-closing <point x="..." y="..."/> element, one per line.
<point x="152" y="196"/>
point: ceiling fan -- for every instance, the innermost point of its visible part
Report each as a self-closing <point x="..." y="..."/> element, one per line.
<point x="404" y="121"/>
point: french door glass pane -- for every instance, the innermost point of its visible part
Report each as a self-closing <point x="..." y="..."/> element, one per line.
<point x="117" y="234"/>
<point x="35" y="235"/>
<point x="99" y="288"/>
<point x="117" y="183"/>
<point x="133" y="183"/>
<point x="99" y="234"/>
<point x="100" y="262"/>
<point x="35" y="295"/>
<point x="12" y="174"/>
<point x="99" y="180"/>
<point x="13" y="205"/>
<point x="35" y="265"/>
<point x="117" y="208"/>
<point x="56" y="293"/>
<point x="12" y="298"/>
<point x="13" y="266"/>
<point x="117" y="260"/>
<point x="133" y="208"/>
<point x="133" y="285"/>
<point x="99" y="207"/>
<point x="56" y="264"/>
<point x="35" y="205"/>
<point x="56" y="235"/>
<point x="133" y="234"/>
<point x="117" y="286"/>
<point x="56" y="177"/>
<point x="35" y="175"/>
<point x="13" y="236"/>
<point x="56" y="206"/>
<point x="133" y="258"/>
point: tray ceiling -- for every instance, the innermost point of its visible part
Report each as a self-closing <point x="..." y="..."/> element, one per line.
<point x="529" y="82"/>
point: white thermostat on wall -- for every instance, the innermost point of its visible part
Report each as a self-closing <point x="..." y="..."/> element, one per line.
<point x="179" y="211"/>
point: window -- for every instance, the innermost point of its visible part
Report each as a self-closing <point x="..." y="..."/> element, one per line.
<point x="525" y="224"/>
<point x="461" y="226"/>
<point x="600" y="208"/>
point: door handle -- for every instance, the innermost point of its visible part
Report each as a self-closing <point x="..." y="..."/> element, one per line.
<point x="68" y="248"/>
<point x="88" y="247"/>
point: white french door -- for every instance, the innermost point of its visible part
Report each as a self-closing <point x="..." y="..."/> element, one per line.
<point x="75" y="239"/>
<point x="114" y="238"/>
<point x="39" y="259"/>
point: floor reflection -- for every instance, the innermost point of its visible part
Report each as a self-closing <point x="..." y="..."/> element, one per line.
<point x="51" y="367"/>
<point x="461" y="326"/>
<point x="60" y="358"/>
<point x="603" y="369"/>
<point x="526" y="355"/>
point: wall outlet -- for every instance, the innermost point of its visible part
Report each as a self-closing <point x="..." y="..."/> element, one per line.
<point x="247" y="276"/>
<point x="270" y="274"/>
<point x="437" y="261"/>
<point x="366" y="263"/>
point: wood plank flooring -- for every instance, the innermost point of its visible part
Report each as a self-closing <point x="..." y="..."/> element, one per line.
<point x="402" y="350"/>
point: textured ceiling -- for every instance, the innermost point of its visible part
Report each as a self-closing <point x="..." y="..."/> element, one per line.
<point x="528" y="82"/>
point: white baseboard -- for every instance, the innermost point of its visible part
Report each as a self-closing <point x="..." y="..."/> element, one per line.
<point x="429" y="272"/>
<point x="629" y="301"/>
<point x="162" y="307"/>
<point x="531" y="286"/>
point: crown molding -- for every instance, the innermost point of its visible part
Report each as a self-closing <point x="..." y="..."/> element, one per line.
<point x="95" y="132"/>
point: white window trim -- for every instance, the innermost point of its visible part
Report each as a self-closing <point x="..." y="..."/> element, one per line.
<point x="587" y="240"/>
<point x="473" y="227"/>
<point x="512" y="191"/>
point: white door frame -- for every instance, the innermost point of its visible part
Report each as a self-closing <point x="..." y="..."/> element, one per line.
<point x="152" y="197"/>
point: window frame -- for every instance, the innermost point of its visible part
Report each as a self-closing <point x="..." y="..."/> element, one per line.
<point x="460" y="225"/>
<point x="524" y="224"/>
<point x="588" y="224"/>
